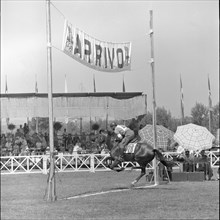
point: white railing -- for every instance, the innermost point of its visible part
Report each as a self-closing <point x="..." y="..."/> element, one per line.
<point x="22" y="164"/>
<point x="74" y="163"/>
<point x="212" y="155"/>
<point x="63" y="163"/>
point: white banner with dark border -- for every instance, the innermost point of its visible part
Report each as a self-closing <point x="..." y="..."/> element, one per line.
<point x="96" y="54"/>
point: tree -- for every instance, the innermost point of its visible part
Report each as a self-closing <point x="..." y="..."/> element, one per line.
<point x="43" y="124"/>
<point x="173" y="124"/>
<point x="147" y="119"/>
<point x="11" y="127"/>
<point x="215" y="118"/>
<point x="199" y="115"/>
<point x="95" y="127"/>
<point x="57" y="126"/>
<point x="133" y="125"/>
<point x="163" y="117"/>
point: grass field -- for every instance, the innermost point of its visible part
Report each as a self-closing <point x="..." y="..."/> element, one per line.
<point x="22" y="197"/>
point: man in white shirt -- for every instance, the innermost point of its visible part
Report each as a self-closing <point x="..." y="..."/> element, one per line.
<point x="125" y="134"/>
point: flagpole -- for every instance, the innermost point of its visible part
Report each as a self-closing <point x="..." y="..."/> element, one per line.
<point x="6" y="92"/>
<point x="181" y="101"/>
<point x="51" y="191"/>
<point x="66" y="103"/>
<point x="65" y="86"/>
<point x="123" y="84"/>
<point x="107" y="108"/>
<point x="36" y="91"/>
<point x="210" y="106"/>
<point x="153" y="97"/>
<point x="94" y="86"/>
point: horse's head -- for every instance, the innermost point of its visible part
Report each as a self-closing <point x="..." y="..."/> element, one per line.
<point x="112" y="161"/>
<point x="114" y="142"/>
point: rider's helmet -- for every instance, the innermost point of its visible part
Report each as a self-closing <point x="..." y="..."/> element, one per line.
<point x="113" y="124"/>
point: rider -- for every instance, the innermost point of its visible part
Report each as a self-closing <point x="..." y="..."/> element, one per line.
<point x="125" y="134"/>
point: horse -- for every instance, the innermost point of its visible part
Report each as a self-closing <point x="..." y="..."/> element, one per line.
<point x="143" y="153"/>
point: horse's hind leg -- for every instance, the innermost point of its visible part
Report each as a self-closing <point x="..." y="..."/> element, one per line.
<point x="143" y="172"/>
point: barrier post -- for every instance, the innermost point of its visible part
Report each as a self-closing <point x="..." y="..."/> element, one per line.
<point x="12" y="164"/>
<point x="76" y="161"/>
<point x="45" y="164"/>
<point x="28" y="163"/>
<point x="61" y="162"/>
<point x="92" y="163"/>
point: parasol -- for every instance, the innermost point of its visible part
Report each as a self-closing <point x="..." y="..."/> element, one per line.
<point x="164" y="136"/>
<point x="194" y="137"/>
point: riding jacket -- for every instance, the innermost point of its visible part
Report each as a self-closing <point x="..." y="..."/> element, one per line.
<point x="126" y="134"/>
<point x="120" y="130"/>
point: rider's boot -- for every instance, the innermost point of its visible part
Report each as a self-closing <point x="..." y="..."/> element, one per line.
<point x="121" y="156"/>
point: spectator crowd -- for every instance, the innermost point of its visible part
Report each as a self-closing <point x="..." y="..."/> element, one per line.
<point x="25" y="142"/>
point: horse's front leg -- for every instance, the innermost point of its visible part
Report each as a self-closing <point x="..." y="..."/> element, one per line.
<point x="143" y="172"/>
<point x="114" y="167"/>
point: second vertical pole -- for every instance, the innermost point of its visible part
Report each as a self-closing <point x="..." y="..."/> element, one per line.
<point x="153" y="97"/>
<point x="51" y="188"/>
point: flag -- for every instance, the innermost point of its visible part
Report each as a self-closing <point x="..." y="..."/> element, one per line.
<point x="94" y="87"/>
<point x="36" y="88"/>
<point x="6" y="85"/>
<point x="65" y="89"/>
<point x="123" y="85"/>
<point x="210" y="95"/>
<point x="181" y="99"/>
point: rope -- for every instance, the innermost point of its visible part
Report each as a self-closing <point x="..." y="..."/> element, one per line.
<point x="58" y="11"/>
<point x="57" y="48"/>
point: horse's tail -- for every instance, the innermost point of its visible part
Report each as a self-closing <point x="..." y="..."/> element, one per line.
<point x="162" y="159"/>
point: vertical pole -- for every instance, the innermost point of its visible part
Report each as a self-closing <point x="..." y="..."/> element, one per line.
<point x="181" y="101"/>
<point x="6" y="92"/>
<point x="210" y="106"/>
<point x="36" y="91"/>
<point x="106" y="120"/>
<point x="90" y="124"/>
<point x="80" y="127"/>
<point x="90" y="119"/>
<point x="37" y="125"/>
<point x="51" y="192"/>
<point x="210" y="120"/>
<point x="145" y="102"/>
<point x="153" y="97"/>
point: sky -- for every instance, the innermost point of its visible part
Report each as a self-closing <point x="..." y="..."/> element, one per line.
<point x="186" y="35"/>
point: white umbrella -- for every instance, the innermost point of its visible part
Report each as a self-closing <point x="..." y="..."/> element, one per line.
<point x="194" y="137"/>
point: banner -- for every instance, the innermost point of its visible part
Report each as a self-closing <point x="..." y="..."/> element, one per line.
<point x="96" y="54"/>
